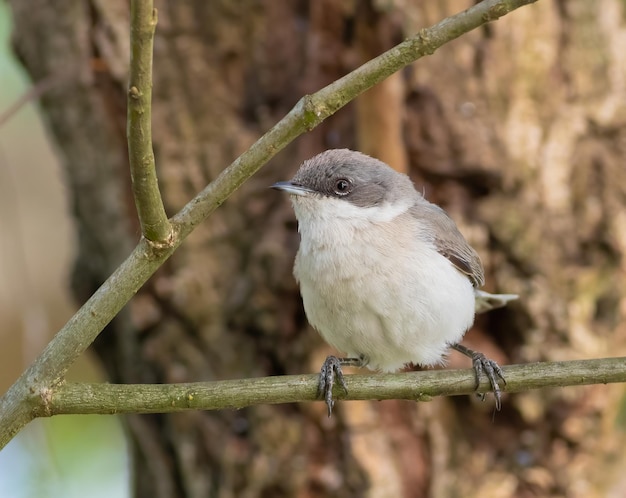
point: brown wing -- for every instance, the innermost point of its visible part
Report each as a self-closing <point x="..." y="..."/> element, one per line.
<point x="450" y="242"/>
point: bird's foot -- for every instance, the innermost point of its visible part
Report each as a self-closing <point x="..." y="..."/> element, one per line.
<point x="331" y="370"/>
<point x="484" y="366"/>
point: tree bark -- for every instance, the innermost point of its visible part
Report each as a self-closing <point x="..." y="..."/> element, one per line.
<point x="518" y="129"/>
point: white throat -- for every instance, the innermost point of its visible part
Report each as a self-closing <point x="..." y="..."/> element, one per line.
<point x="317" y="216"/>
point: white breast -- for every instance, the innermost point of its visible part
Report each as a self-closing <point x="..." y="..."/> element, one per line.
<point x="373" y="289"/>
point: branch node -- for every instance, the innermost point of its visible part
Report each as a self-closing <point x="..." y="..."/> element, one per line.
<point x="424" y="43"/>
<point x="312" y="112"/>
<point x="165" y="244"/>
<point x="45" y="394"/>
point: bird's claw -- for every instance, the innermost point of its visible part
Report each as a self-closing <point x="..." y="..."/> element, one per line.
<point x="331" y="370"/>
<point x="490" y="369"/>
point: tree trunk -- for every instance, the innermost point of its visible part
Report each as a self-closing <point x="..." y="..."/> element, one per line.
<point x="518" y="129"/>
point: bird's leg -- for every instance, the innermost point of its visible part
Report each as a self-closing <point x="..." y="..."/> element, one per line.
<point x="331" y="369"/>
<point x="483" y="365"/>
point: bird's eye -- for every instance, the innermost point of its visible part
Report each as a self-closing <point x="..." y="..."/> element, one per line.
<point x="343" y="186"/>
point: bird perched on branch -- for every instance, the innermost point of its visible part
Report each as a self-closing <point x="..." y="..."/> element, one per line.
<point x="385" y="276"/>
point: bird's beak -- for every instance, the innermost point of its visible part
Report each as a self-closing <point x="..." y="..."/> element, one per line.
<point x="292" y="188"/>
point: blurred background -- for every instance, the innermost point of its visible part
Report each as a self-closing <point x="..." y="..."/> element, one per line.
<point x="70" y="456"/>
<point x="518" y="129"/>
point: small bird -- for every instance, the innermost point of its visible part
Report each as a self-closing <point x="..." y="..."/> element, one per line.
<point x="385" y="276"/>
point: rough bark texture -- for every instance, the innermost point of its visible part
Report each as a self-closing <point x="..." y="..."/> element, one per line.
<point x="518" y="129"/>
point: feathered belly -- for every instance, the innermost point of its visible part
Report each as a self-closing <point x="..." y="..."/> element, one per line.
<point x="393" y="314"/>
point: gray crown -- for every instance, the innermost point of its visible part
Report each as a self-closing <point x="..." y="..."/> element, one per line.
<point x="370" y="182"/>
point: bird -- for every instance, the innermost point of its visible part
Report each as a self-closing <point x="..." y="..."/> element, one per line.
<point x="385" y="276"/>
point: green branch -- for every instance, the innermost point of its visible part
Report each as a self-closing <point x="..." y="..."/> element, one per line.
<point x="154" y="223"/>
<point x="418" y="386"/>
<point x="18" y="406"/>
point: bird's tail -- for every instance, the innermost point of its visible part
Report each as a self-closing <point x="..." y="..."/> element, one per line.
<point x="487" y="302"/>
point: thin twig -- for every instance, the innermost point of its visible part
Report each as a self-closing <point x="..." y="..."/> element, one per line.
<point x="154" y="223"/>
<point x="31" y="94"/>
<point x="74" y="398"/>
